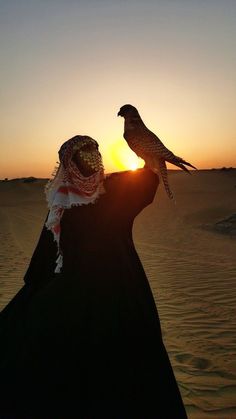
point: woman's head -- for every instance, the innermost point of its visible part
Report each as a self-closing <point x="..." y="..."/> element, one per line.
<point x="81" y="153"/>
<point x="81" y="165"/>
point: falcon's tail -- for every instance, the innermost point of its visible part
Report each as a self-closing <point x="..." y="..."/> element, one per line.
<point x="183" y="167"/>
<point x="163" y="172"/>
<point x="182" y="163"/>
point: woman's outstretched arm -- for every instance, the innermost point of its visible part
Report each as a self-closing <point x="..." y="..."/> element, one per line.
<point x="133" y="190"/>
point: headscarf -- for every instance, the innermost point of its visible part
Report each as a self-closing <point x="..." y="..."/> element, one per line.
<point x="69" y="187"/>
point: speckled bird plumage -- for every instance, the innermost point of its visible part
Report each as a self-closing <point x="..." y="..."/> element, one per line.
<point x="148" y="146"/>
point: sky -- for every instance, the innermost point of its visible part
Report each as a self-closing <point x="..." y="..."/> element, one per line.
<point x="67" y="66"/>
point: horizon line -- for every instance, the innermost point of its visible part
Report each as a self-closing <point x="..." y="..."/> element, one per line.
<point x="224" y="168"/>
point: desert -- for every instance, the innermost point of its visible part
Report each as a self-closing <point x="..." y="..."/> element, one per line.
<point x="188" y="249"/>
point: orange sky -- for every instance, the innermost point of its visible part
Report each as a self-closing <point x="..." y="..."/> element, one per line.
<point x="67" y="68"/>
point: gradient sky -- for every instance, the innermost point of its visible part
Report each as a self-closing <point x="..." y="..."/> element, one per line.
<point x="67" y="66"/>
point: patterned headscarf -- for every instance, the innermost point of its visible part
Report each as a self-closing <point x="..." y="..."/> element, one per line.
<point x="70" y="187"/>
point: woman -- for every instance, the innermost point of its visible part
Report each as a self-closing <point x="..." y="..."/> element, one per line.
<point x="82" y="338"/>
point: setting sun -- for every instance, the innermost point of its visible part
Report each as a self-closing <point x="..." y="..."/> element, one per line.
<point x="133" y="166"/>
<point x="123" y="158"/>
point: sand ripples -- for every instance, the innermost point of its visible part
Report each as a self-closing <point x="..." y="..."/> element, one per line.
<point x="192" y="272"/>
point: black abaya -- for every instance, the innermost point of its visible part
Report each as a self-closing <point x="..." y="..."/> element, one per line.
<point x="86" y="343"/>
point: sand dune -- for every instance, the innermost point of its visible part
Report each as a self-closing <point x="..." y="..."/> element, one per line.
<point x="190" y="262"/>
<point x="22" y="212"/>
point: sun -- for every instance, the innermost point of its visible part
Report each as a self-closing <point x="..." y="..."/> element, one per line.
<point x="133" y="165"/>
<point x="123" y="157"/>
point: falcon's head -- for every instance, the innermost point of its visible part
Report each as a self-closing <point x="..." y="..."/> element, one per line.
<point x="128" y="110"/>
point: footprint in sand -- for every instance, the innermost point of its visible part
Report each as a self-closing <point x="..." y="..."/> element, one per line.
<point x="183" y="358"/>
<point x="201" y="363"/>
<point x="196" y="362"/>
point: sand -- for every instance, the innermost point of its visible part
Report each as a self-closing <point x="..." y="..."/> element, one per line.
<point x="191" y="265"/>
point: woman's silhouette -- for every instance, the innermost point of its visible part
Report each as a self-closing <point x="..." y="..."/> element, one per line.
<point x="82" y="338"/>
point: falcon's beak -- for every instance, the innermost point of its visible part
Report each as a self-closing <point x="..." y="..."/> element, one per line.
<point x="119" y="114"/>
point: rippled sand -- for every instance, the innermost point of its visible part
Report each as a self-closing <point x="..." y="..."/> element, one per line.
<point x="191" y="268"/>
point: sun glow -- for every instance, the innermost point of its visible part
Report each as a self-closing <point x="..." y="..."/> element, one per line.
<point x="133" y="166"/>
<point x="123" y="157"/>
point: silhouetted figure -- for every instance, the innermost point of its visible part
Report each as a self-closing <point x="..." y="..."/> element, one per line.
<point x="82" y="338"/>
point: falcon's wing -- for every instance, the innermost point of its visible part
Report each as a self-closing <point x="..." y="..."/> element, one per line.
<point x="144" y="142"/>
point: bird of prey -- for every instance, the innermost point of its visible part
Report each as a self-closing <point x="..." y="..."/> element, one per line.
<point x="148" y="146"/>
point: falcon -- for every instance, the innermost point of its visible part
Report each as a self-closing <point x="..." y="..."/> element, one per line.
<point x="148" y="146"/>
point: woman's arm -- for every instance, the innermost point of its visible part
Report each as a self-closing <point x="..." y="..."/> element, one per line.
<point x="133" y="190"/>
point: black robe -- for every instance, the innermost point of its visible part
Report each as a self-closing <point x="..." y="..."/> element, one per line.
<point x="87" y="343"/>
